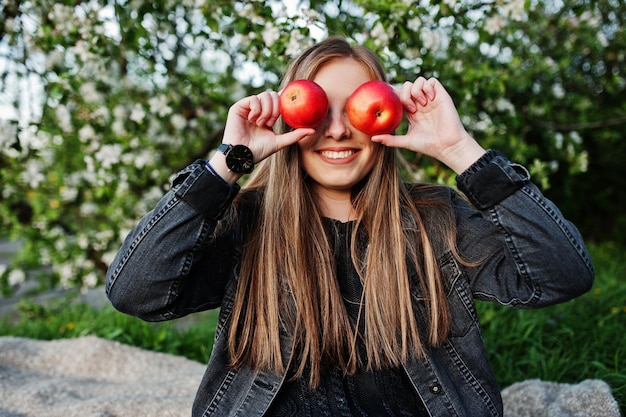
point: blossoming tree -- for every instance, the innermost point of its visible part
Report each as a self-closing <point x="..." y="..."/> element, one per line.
<point x="101" y="102"/>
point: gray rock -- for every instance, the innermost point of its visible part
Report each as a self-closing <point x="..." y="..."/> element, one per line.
<point x="93" y="377"/>
<point x="536" y="398"/>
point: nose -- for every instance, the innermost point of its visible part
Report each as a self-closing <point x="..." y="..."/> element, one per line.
<point x="337" y="125"/>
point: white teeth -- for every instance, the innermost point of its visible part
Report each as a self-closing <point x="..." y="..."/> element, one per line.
<point x="337" y="155"/>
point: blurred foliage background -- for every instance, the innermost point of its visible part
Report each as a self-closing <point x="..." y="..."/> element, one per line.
<point x="101" y="102"/>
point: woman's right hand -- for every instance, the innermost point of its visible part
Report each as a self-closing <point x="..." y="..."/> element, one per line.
<point x="250" y="122"/>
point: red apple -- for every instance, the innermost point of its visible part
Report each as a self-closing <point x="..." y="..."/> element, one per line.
<point x="303" y="103"/>
<point x="375" y="108"/>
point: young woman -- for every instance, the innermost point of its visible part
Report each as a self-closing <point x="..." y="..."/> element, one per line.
<point x="345" y="291"/>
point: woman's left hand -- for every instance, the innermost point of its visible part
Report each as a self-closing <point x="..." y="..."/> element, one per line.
<point x="435" y="128"/>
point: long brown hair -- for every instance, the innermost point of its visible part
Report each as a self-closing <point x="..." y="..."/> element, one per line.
<point x="287" y="280"/>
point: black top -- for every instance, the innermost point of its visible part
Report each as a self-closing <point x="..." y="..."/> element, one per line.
<point x="387" y="392"/>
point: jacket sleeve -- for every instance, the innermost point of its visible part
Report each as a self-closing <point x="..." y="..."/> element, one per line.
<point x="171" y="264"/>
<point x="528" y="254"/>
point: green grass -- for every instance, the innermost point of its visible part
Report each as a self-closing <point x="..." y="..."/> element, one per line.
<point x="60" y="319"/>
<point x="570" y="342"/>
<point x="581" y="339"/>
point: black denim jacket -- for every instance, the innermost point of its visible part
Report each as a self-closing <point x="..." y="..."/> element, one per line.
<point x="531" y="257"/>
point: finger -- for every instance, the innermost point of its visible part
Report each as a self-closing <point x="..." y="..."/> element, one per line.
<point x="392" y="141"/>
<point x="405" y="97"/>
<point x="275" y="112"/>
<point x="254" y="108"/>
<point x="417" y="91"/>
<point x="430" y="88"/>
<point x="265" y="111"/>
<point x="293" y="136"/>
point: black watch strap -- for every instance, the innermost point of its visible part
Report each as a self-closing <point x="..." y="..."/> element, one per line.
<point x="224" y="148"/>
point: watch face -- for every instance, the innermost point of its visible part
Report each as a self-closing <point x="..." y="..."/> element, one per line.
<point x="240" y="159"/>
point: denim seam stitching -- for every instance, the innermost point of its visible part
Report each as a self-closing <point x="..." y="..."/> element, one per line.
<point x="150" y="224"/>
<point x="560" y="223"/>
<point x="521" y="267"/>
<point x="470" y="378"/>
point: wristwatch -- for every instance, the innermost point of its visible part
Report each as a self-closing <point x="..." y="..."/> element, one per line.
<point x="239" y="158"/>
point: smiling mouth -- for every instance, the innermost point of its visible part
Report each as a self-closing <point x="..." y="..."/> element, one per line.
<point x="338" y="154"/>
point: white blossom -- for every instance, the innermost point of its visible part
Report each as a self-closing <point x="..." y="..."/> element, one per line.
<point x="60" y="244"/>
<point x="65" y="118"/>
<point x="159" y="105"/>
<point x="553" y="165"/>
<point x="31" y="138"/>
<point x="558" y="140"/>
<point x="514" y="9"/>
<point x="583" y="161"/>
<point x="591" y="18"/>
<point x="90" y="94"/>
<point x="108" y="257"/>
<point x="9" y="25"/>
<point x="44" y="256"/>
<point x="249" y="12"/>
<point x="82" y="240"/>
<point x="63" y="17"/>
<point x="193" y="4"/>
<point x="8" y="132"/>
<point x="154" y="193"/>
<point x="54" y="58"/>
<point x="88" y="174"/>
<point x="494" y="24"/>
<point x="411" y="58"/>
<point x="89" y="281"/>
<point x="503" y="104"/>
<point x="414" y="24"/>
<point x="108" y="155"/>
<point x="311" y="15"/>
<point x="295" y="44"/>
<point x="81" y="50"/>
<point x="68" y="193"/>
<point x="86" y="133"/>
<point x="88" y="208"/>
<point x="16" y="277"/>
<point x="120" y="112"/>
<point x="101" y="114"/>
<point x="178" y="121"/>
<point x="137" y="114"/>
<point x="66" y="273"/>
<point x="118" y="128"/>
<point x="575" y="137"/>
<point x="7" y="191"/>
<point x="431" y="39"/>
<point x="270" y="35"/>
<point x="380" y="34"/>
<point x="558" y="91"/>
<point x="32" y="174"/>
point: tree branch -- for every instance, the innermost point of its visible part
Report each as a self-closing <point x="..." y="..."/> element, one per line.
<point x="582" y="126"/>
<point x="210" y="143"/>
